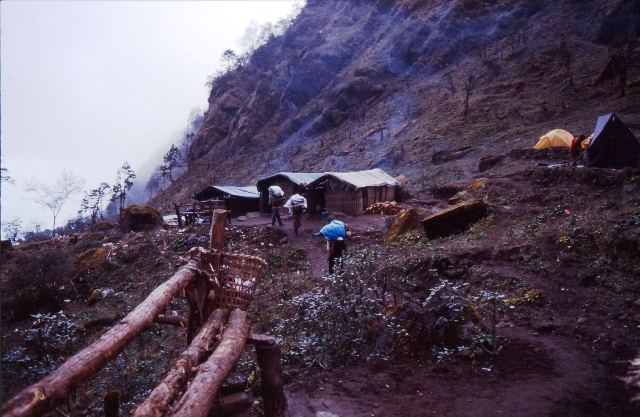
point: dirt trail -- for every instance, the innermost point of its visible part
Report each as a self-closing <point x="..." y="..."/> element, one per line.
<point x="532" y="376"/>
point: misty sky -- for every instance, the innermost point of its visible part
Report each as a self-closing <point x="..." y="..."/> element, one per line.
<point x="87" y="85"/>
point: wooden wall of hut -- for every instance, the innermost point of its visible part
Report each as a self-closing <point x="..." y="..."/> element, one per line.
<point x="315" y="199"/>
<point x="347" y="202"/>
<point x="372" y="195"/>
<point x="241" y="206"/>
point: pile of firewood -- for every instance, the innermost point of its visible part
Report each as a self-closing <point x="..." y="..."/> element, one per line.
<point x="384" y="208"/>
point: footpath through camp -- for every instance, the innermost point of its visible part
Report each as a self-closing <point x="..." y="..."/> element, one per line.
<point x="531" y="307"/>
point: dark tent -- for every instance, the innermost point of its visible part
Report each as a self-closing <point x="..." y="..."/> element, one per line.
<point x="613" y="145"/>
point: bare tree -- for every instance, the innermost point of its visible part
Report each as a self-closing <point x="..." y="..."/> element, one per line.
<point x="54" y="197"/>
<point x="153" y="185"/>
<point x="229" y="58"/>
<point x="468" y="87"/>
<point x="250" y="40"/>
<point x="92" y="202"/>
<point x="12" y="229"/>
<point x="623" y="57"/>
<point x="5" y="175"/>
<point x="447" y="82"/>
<point x="173" y="159"/>
<point x="124" y="182"/>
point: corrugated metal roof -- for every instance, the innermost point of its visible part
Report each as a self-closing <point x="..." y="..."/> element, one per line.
<point x="250" y="191"/>
<point x="296" y="177"/>
<point x="371" y="178"/>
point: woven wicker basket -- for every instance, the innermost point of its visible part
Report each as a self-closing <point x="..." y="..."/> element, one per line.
<point x="239" y="278"/>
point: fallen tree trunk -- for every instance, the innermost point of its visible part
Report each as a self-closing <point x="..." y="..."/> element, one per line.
<point x="45" y="394"/>
<point x="176" y="380"/>
<point x="202" y="392"/>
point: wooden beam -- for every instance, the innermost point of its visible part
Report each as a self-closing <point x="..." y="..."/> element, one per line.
<point x="199" y="398"/>
<point x="176" y="380"/>
<point x="45" y="394"/>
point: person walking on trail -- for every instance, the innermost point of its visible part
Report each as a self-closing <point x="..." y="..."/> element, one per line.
<point x="276" y="198"/>
<point x="575" y="150"/>
<point x="336" y="234"/>
<point x="297" y="204"/>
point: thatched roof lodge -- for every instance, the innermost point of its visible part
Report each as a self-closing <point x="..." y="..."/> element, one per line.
<point x="351" y="192"/>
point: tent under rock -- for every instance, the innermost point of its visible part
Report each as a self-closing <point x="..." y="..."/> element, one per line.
<point x="613" y="145"/>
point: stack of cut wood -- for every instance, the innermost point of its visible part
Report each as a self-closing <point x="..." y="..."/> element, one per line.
<point x="384" y="208"/>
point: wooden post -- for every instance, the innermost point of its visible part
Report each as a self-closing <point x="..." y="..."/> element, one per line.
<point x="275" y="403"/>
<point x="44" y="395"/>
<point x="202" y="392"/>
<point x="178" y="214"/>
<point x="217" y="229"/>
<point x="176" y="380"/>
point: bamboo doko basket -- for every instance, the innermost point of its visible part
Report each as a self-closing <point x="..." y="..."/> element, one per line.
<point x="239" y="277"/>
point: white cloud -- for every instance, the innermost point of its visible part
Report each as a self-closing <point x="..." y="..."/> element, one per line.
<point x="88" y="85"/>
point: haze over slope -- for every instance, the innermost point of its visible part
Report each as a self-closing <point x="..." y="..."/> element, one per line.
<point x="356" y="85"/>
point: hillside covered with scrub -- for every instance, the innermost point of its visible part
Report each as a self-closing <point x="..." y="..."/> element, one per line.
<point x="531" y="310"/>
<point x="355" y="85"/>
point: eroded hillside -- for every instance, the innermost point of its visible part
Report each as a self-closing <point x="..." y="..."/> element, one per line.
<point x="356" y="85"/>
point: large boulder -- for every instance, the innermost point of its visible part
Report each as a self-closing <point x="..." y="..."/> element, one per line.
<point x="402" y="190"/>
<point x="455" y="219"/>
<point x="138" y="218"/>
<point x="467" y="193"/>
<point x="404" y="222"/>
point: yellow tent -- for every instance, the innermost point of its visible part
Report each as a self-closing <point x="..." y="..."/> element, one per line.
<point x="557" y="137"/>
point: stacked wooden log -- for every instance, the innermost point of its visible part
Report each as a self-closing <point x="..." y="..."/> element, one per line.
<point x="384" y="208"/>
<point x="47" y="393"/>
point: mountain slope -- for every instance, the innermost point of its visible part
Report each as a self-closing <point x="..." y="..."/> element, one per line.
<point x="356" y="85"/>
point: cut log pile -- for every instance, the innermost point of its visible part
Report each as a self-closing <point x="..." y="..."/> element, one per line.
<point x="384" y="208"/>
<point x="191" y="387"/>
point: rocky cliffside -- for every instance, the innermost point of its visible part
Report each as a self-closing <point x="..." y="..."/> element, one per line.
<point x="361" y="84"/>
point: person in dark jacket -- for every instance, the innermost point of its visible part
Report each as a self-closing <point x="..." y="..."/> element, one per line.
<point x="575" y="150"/>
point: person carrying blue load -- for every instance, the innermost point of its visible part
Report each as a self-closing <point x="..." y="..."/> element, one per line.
<point x="336" y="234"/>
